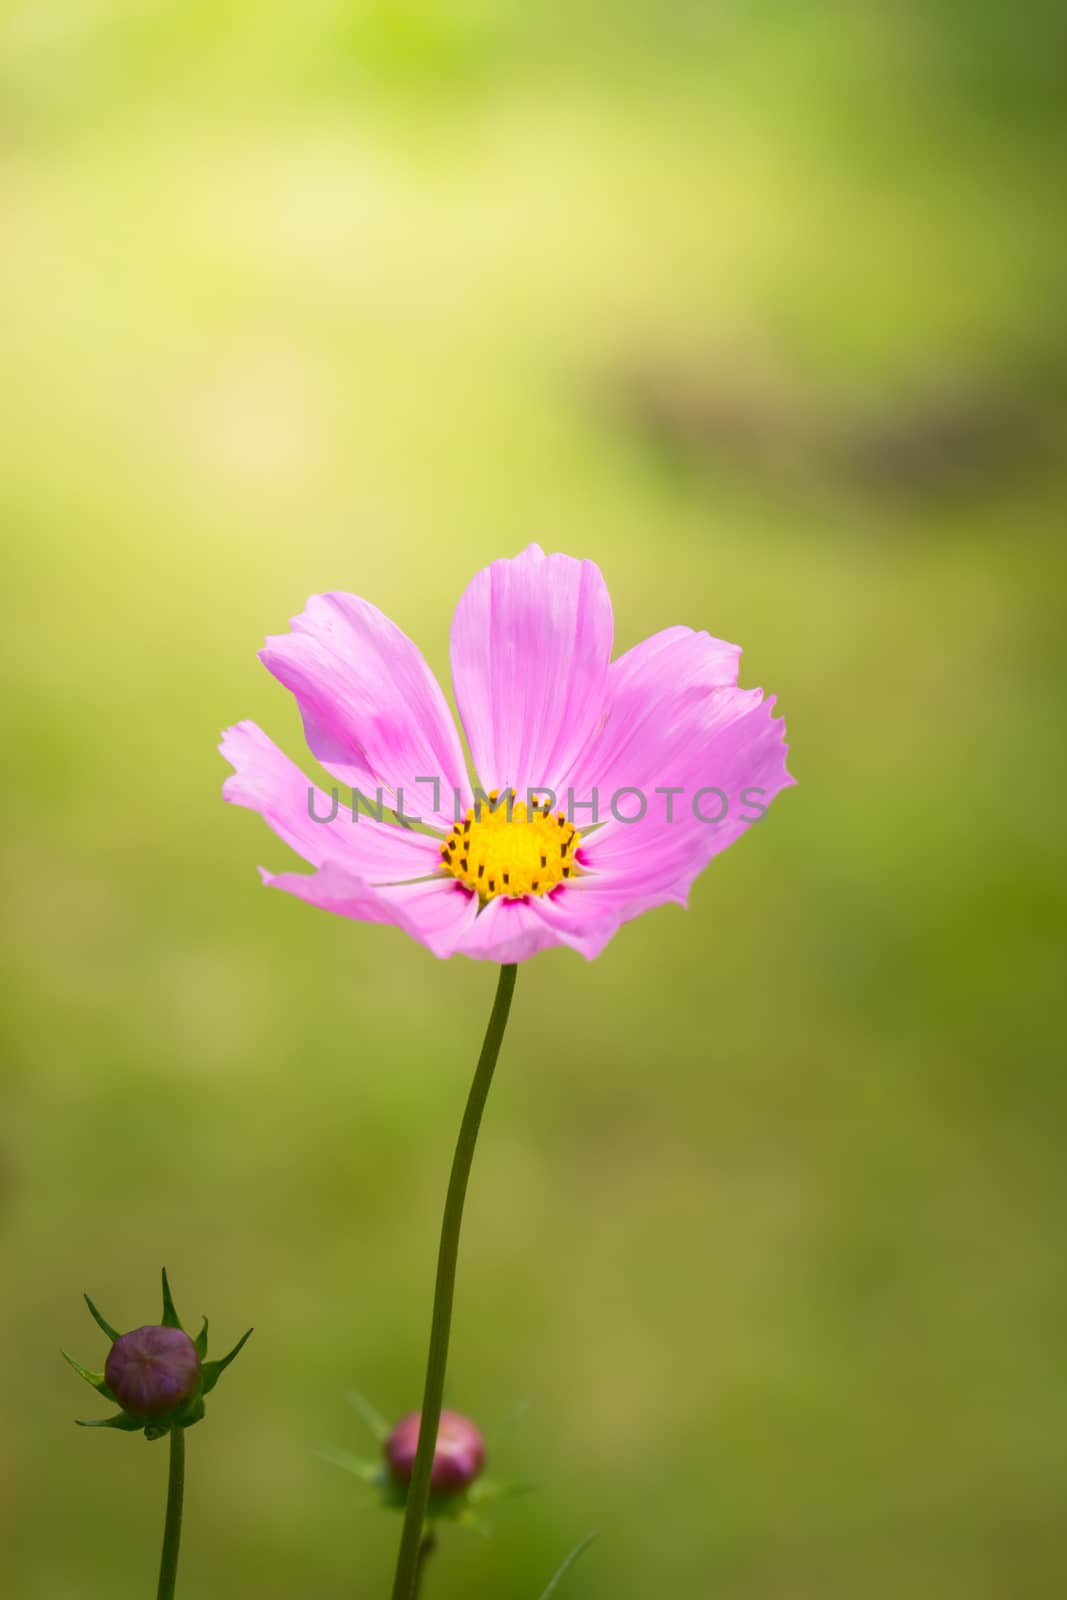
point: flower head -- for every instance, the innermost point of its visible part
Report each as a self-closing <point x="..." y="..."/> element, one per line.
<point x="153" y="1371"/>
<point x="460" y="1492"/>
<point x="458" y="1457"/>
<point x="604" y="787"/>
<point x="157" y="1375"/>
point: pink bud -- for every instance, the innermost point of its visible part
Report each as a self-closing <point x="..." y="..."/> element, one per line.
<point x="458" y="1458"/>
<point x="153" y="1371"/>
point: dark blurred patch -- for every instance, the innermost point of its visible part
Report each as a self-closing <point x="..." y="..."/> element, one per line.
<point x="953" y="433"/>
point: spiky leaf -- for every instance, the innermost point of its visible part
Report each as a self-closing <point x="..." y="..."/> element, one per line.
<point x="170" y="1316"/>
<point x="366" y="1471"/>
<point x="95" y="1379"/>
<point x="213" y="1370"/>
<point x="99" y="1320"/>
<point x="122" y="1420"/>
<point x="485" y="1490"/>
<point x="373" y="1419"/>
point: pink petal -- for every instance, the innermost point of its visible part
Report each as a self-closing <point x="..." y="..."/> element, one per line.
<point x="531" y="643"/>
<point x="373" y="712"/>
<point x="266" y="781"/>
<point x="583" y="921"/>
<point x="730" y="742"/>
<point x="515" y="930"/>
<point x="506" y="931"/>
<point x="652" y="693"/>
<point x="437" y="913"/>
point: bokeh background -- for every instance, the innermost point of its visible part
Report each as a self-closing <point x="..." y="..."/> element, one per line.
<point x="761" y="307"/>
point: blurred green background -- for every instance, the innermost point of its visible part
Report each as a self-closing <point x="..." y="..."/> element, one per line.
<point x="761" y="307"/>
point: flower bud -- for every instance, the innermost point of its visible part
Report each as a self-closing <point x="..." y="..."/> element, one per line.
<point x="156" y="1375"/>
<point x="458" y="1457"/>
<point x="153" y="1371"/>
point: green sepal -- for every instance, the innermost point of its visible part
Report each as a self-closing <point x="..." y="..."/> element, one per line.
<point x="123" y="1421"/>
<point x="395" y="1495"/>
<point x="465" y="1516"/>
<point x="201" y="1341"/>
<point x="463" y="1506"/>
<point x="366" y="1471"/>
<point x="170" y="1316"/>
<point x="484" y="1490"/>
<point x="192" y="1411"/>
<point x="213" y="1370"/>
<point x="374" y="1421"/>
<point x="98" y="1319"/>
<point x="95" y="1379"/>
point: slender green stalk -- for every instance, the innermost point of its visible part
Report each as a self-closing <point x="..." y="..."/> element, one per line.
<point x="407" y="1566"/>
<point x="172" y="1528"/>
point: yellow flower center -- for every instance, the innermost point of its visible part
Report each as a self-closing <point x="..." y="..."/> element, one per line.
<point x="512" y="852"/>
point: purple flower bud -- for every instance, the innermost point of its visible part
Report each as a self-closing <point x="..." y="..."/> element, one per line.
<point x="457" y="1459"/>
<point x="153" y="1371"/>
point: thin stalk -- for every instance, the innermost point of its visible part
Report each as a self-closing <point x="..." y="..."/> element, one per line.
<point x="407" y="1566"/>
<point x="172" y="1528"/>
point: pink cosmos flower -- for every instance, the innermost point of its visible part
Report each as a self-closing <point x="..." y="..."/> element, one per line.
<point x="611" y="783"/>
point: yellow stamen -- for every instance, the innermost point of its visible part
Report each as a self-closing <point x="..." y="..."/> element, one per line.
<point x="496" y="851"/>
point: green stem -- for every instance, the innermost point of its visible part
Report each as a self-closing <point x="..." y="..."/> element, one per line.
<point x="407" y="1565"/>
<point x="172" y="1529"/>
